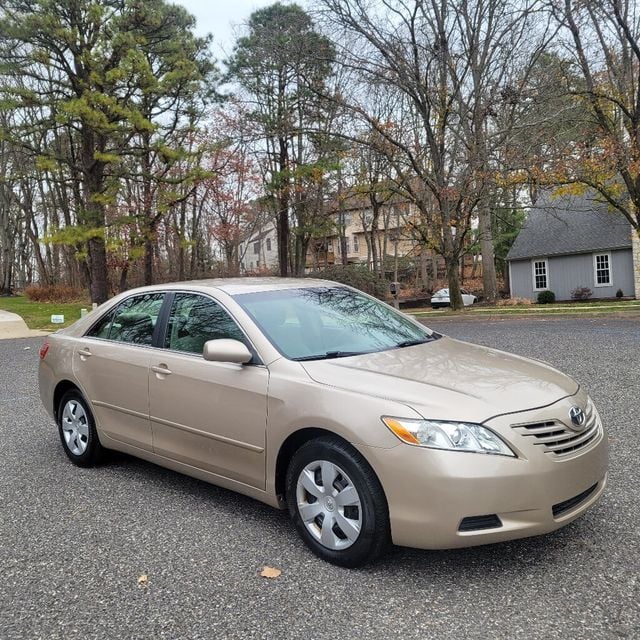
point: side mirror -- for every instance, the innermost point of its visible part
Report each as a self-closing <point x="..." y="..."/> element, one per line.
<point x="226" y="351"/>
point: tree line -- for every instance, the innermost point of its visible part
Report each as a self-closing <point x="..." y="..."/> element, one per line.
<point x="129" y="155"/>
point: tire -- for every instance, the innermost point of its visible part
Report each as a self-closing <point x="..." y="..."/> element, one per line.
<point x="77" y="430"/>
<point x="357" y="531"/>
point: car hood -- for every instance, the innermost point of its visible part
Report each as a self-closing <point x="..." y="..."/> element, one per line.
<point x="448" y="380"/>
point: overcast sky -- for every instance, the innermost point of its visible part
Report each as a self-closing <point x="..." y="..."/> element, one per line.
<point x="222" y="19"/>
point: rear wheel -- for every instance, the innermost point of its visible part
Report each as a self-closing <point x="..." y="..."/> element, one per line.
<point x="77" y="430"/>
<point x="336" y="503"/>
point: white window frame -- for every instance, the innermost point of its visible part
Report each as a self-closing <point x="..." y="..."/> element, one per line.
<point x="546" y="271"/>
<point x="595" y="269"/>
<point x="356" y="244"/>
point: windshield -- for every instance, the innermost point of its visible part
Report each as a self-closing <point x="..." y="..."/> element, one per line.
<point x="329" y="322"/>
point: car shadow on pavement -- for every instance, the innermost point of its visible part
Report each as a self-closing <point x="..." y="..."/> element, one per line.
<point x="517" y="558"/>
<point x="188" y="488"/>
<point x="526" y="556"/>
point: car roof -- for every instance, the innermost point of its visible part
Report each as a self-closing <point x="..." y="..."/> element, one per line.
<point x="235" y="286"/>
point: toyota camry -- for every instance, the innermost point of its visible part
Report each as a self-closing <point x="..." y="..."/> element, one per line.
<point x="313" y="397"/>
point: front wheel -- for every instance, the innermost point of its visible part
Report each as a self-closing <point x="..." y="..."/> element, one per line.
<point x="336" y="503"/>
<point x="78" y="430"/>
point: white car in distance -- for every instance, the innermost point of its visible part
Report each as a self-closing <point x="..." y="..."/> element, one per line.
<point x="441" y="298"/>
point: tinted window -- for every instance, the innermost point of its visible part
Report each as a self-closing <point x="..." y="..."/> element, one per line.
<point x="196" y="319"/>
<point x="135" y="319"/>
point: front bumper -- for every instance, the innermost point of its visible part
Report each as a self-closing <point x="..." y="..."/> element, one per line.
<point x="431" y="492"/>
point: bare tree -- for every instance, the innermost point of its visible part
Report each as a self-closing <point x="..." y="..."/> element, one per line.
<point x="443" y="64"/>
<point x="603" y="42"/>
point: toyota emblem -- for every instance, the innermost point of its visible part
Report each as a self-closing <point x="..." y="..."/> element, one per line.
<point x="577" y="417"/>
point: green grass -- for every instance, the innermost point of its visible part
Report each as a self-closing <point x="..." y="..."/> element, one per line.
<point x="612" y="306"/>
<point x="37" y="315"/>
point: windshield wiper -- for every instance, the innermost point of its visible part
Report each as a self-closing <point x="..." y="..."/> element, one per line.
<point x="412" y="343"/>
<point x="330" y="355"/>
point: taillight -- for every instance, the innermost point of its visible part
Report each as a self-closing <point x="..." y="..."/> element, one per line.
<point x="44" y="349"/>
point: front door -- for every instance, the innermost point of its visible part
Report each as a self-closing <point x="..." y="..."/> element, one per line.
<point x="210" y="415"/>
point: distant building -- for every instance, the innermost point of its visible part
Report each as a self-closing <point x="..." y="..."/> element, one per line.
<point x="569" y="242"/>
<point x="394" y="237"/>
<point x="259" y="250"/>
<point x="356" y="215"/>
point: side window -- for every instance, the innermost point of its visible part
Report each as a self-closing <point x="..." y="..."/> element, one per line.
<point x="196" y="319"/>
<point x="135" y="319"/>
<point x="102" y="327"/>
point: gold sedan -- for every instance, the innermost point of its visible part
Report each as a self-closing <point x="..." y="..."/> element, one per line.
<point x="312" y="396"/>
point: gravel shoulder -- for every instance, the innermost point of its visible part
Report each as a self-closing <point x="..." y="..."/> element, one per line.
<point x="74" y="542"/>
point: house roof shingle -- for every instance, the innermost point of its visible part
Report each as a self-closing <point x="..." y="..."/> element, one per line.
<point x="570" y="224"/>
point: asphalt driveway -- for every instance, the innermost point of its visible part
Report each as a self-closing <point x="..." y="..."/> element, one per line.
<point x="74" y="542"/>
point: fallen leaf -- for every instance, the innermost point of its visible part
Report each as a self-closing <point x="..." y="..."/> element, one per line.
<point x="143" y="580"/>
<point x="270" y="572"/>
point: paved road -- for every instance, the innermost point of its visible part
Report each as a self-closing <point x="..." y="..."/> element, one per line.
<point x="74" y="542"/>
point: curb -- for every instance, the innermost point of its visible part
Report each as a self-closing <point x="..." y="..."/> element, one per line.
<point x="13" y="326"/>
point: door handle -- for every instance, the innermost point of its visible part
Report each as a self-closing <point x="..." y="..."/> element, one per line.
<point x="84" y="353"/>
<point x="162" y="370"/>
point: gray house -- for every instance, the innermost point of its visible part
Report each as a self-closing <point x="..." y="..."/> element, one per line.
<point x="573" y="241"/>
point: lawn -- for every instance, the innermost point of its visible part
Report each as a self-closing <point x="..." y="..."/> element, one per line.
<point x="603" y="306"/>
<point x="37" y="315"/>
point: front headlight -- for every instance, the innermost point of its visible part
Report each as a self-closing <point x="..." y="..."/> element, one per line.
<point x="452" y="436"/>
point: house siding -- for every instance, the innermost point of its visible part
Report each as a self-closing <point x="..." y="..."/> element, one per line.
<point x="635" y="240"/>
<point x="265" y="258"/>
<point x="566" y="273"/>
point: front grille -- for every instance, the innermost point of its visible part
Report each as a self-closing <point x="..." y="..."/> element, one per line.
<point x="567" y="505"/>
<point x="477" y="523"/>
<point x="557" y="439"/>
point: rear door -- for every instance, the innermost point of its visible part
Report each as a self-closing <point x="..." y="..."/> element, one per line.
<point x="210" y="415"/>
<point x="112" y="362"/>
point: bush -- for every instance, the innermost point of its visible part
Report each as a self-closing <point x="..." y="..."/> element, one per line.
<point x="581" y="293"/>
<point x="546" y="297"/>
<point x="512" y="302"/>
<point x="619" y="293"/>
<point x="53" y="293"/>
<point x="357" y="276"/>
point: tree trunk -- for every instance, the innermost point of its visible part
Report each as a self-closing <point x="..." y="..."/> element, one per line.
<point x="424" y="271"/>
<point x="283" y="208"/>
<point x="451" y="259"/>
<point x="98" y="270"/>
<point x="489" y="282"/>
<point x="375" y="222"/>
<point x="123" y="278"/>
<point x="93" y="184"/>
<point x="453" y="276"/>
<point x="148" y="255"/>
